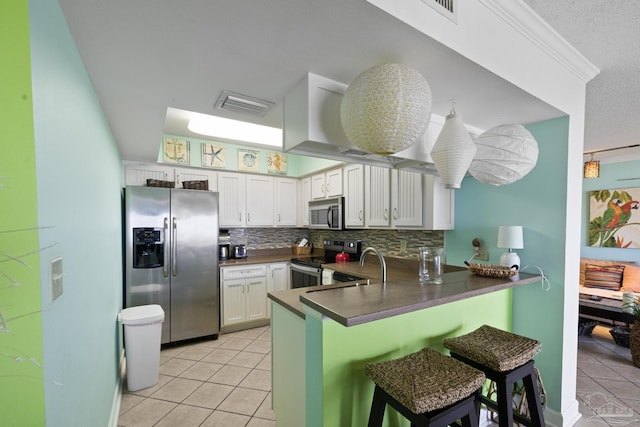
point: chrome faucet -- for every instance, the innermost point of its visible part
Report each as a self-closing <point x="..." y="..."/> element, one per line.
<point x="383" y="264"/>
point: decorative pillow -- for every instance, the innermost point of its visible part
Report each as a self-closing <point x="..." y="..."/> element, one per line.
<point x="585" y="261"/>
<point x="603" y="276"/>
<point x="631" y="279"/>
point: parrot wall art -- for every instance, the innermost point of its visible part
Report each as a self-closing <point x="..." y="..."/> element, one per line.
<point x="614" y="220"/>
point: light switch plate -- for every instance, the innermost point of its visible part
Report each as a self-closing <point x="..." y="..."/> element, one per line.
<point x="55" y="278"/>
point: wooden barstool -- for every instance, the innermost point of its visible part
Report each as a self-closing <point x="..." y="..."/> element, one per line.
<point x="505" y="358"/>
<point x="426" y="387"/>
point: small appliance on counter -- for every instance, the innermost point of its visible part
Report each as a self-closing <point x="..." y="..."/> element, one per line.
<point x="239" y="251"/>
<point x="224" y="245"/>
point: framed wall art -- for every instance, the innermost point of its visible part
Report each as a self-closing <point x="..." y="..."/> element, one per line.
<point x="614" y="218"/>
<point x="248" y="160"/>
<point x="175" y="150"/>
<point x="214" y="156"/>
<point x="277" y="163"/>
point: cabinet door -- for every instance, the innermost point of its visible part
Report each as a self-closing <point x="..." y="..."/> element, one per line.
<point x="231" y="189"/>
<point x="279" y="276"/>
<point x="406" y="199"/>
<point x="305" y="197"/>
<point x="260" y="201"/>
<point x="354" y="196"/>
<point x="377" y="196"/>
<point x="233" y="301"/>
<point x="333" y="183"/>
<point x="138" y="173"/>
<point x="438" y="204"/>
<point x="256" y="298"/>
<point x="318" y="190"/>
<point x="286" y="202"/>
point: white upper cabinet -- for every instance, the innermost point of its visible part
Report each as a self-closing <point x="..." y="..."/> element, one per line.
<point x="260" y="201"/>
<point x="354" y="196"/>
<point x="439" y="204"/>
<point x="286" y="202"/>
<point x="137" y="173"/>
<point x="187" y="174"/>
<point x="232" y="204"/>
<point x="377" y="196"/>
<point x="304" y="190"/>
<point x="327" y="184"/>
<point x="406" y="199"/>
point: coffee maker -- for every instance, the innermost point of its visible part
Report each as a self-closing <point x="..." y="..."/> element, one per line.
<point x="224" y="245"/>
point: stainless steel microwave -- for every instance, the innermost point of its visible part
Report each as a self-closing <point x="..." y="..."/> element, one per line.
<point x="327" y="214"/>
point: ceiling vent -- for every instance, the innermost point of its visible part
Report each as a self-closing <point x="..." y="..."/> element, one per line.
<point x="445" y="7"/>
<point x="243" y="104"/>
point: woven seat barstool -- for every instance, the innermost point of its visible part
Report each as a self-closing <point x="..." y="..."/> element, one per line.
<point x="426" y="387"/>
<point x="505" y="358"/>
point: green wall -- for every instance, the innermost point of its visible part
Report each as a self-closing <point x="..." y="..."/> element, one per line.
<point x="21" y="373"/>
<point x="538" y="203"/>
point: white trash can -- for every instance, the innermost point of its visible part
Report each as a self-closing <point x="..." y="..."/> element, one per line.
<point x="142" y="334"/>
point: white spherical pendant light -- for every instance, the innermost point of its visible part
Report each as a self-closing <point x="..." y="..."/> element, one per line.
<point x="386" y="109"/>
<point x="505" y="154"/>
<point x="453" y="151"/>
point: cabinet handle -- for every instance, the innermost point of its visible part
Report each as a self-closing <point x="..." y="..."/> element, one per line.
<point x="240" y="216"/>
<point x="328" y="187"/>
<point x="395" y="213"/>
<point x="360" y="215"/>
<point x="279" y="220"/>
<point x="323" y="188"/>
<point x="248" y="217"/>
<point x="385" y="215"/>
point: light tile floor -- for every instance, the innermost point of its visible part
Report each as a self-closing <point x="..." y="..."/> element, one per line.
<point x="224" y="382"/>
<point x="227" y="382"/>
<point x="608" y="384"/>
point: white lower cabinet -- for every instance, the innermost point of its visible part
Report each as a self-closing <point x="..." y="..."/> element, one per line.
<point x="243" y="294"/>
<point x="278" y="279"/>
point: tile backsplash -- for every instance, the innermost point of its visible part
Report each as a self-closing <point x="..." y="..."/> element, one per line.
<point x="389" y="242"/>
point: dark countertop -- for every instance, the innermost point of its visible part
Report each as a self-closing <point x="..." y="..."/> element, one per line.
<point x="353" y="305"/>
<point x="266" y="256"/>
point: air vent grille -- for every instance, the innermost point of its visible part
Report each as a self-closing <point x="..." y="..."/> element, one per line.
<point x="445" y="7"/>
<point x="243" y="104"/>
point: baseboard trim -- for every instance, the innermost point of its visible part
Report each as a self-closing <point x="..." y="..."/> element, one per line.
<point x="117" y="395"/>
<point x="566" y="419"/>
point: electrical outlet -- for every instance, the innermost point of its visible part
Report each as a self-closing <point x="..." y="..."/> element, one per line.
<point x="403" y="245"/>
<point x="55" y="278"/>
<point x="482" y="254"/>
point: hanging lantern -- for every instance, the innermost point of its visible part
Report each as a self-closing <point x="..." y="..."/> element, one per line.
<point x="386" y="109"/>
<point x="453" y="151"/>
<point x="505" y="154"/>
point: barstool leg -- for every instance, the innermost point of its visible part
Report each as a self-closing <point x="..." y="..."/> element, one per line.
<point x="505" y="411"/>
<point x="533" y="398"/>
<point x="378" y="406"/>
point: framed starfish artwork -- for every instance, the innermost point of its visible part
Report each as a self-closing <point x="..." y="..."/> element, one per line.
<point x="614" y="218"/>
<point x="213" y="156"/>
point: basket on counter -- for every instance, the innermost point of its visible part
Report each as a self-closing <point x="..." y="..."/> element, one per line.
<point x="488" y="270"/>
<point x="302" y="250"/>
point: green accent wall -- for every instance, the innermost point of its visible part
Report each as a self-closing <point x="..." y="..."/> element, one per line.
<point x="21" y="372"/>
<point x="338" y="391"/>
<point x="538" y="203"/>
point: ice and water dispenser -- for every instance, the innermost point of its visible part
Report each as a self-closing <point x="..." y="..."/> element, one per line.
<point x="148" y="247"/>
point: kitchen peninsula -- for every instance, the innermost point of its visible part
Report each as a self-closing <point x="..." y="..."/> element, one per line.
<point x="324" y="335"/>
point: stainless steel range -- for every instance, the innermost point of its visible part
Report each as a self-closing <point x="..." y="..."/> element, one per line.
<point x="307" y="271"/>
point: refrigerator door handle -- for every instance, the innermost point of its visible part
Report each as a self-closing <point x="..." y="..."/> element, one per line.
<point x="174" y="245"/>
<point x="165" y="268"/>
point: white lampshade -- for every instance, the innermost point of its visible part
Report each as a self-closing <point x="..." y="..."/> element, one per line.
<point x="510" y="236"/>
<point x="386" y="108"/>
<point x="453" y="151"/>
<point x="505" y="154"/>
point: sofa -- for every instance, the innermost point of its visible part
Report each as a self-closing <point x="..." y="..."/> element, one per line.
<point x="607" y="278"/>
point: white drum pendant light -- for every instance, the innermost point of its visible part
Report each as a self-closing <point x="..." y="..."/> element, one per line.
<point x="386" y="109"/>
<point x="505" y="154"/>
<point x="453" y="151"/>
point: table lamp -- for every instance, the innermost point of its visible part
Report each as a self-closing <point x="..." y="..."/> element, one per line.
<point x="510" y="237"/>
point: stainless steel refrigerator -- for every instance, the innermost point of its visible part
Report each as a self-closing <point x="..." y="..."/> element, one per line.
<point x="171" y="258"/>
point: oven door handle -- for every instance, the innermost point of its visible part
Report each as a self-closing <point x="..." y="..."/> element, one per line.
<point x="306" y="269"/>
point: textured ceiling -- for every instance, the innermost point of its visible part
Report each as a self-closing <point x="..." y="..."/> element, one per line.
<point x="146" y="56"/>
<point x="607" y="33"/>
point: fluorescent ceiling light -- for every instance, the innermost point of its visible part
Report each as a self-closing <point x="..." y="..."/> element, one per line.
<point x="237" y="130"/>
